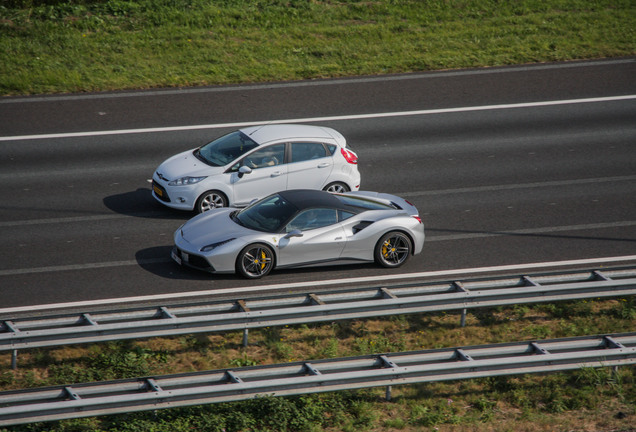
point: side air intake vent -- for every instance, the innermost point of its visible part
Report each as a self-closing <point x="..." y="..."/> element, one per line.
<point x="362" y="225"/>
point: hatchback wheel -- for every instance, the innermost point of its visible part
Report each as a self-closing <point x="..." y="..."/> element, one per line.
<point x="209" y="200"/>
<point x="393" y="249"/>
<point x="336" y="187"/>
<point x="255" y="261"/>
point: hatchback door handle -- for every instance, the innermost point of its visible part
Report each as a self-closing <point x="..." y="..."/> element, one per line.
<point x="324" y="165"/>
<point x="276" y="174"/>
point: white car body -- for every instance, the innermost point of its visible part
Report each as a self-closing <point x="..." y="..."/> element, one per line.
<point x="313" y="157"/>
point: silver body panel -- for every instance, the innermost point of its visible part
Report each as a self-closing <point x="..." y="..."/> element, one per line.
<point x="338" y="243"/>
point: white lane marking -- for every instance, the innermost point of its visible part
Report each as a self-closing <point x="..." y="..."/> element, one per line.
<point x="321" y="82"/>
<point x="493" y="188"/>
<point x="87" y="266"/>
<point x="530" y="231"/>
<point x="469" y="272"/>
<point x="71" y="219"/>
<point x="109" y="171"/>
<point x="429" y="239"/>
<point x="477" y="189"/>
<point x="321" y="119"/>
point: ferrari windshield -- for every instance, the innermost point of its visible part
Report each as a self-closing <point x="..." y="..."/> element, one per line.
<point x="269" y="214"/>
<point x="224" y="150"/>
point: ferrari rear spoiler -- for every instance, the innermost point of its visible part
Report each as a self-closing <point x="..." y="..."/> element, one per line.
<point x="392" y="200"/>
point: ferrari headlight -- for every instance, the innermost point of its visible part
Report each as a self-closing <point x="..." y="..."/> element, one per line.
<point x="213" y="246"/>
<point x="184" y="181"/>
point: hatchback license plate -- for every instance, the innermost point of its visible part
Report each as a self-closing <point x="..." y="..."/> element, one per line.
<point x="158" y="191"/>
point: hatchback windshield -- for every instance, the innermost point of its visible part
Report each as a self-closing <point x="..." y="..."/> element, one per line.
<point x="224" y="150"/>
<point x="269" y="214"/>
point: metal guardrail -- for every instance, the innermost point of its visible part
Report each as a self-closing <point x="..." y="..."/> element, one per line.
<point x="151" y="393"/>
<point x="311" y="308"/>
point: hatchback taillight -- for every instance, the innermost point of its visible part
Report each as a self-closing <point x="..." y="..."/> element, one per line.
<point x="419" y="219"/>
<point x="350" y="156"/>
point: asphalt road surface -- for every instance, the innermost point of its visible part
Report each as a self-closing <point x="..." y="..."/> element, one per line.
<point x="506" y="165"/>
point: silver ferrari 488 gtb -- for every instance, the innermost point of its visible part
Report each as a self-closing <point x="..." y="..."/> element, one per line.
<point x="301" y="227"/>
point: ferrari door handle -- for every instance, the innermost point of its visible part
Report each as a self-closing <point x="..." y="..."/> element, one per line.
<point x="324" y="165"/>
<point x="276" y="174"/>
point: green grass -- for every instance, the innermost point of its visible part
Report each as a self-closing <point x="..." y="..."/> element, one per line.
<point x="56" y="46"/>
<point x="583" y="400"/>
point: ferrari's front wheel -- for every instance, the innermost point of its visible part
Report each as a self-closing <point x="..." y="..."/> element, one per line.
<point x="393" y="249"/>
<point x="255" y="261"/>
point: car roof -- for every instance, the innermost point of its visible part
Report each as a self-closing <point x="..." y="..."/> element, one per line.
<point x="276" y="132"/>
<point x="311" y="198"/>
<point x="304" y="199"/>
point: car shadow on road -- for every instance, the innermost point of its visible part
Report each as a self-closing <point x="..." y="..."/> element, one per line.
<point x="157" y="261"/>
<point x="140" y="203"/>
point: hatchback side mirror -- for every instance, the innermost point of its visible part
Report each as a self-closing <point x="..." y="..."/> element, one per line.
<point x="244" y="170"/>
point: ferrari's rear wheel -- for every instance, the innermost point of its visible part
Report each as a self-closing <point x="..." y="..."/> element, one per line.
<point x="255" y="261"/>
<point x="393" y="249"/>
<point x="209" y="200"/>
<point x="336" y="187"/>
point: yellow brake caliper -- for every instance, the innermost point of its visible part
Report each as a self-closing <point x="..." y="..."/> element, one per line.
<point x="386" y="248"/>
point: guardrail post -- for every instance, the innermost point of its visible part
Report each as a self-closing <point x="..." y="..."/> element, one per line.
<point x="612" y="343"/>
<point x="14" y="359"/>
<point x="460" y="287"/>
<point x="388" y="394"/>
<point x="242" y="306"/>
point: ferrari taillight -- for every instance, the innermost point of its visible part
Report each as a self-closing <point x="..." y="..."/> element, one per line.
<point x="350" y="156"/>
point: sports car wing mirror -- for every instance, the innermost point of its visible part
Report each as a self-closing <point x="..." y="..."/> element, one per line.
<point x="294" y="233"/>
<point x="244" y="170"/>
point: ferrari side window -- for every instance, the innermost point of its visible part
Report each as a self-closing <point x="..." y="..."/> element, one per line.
<point x="344" y="215"/>
<point x="313" y="218"/>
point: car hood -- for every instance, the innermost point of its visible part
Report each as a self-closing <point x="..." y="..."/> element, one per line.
<point x="213" y="226"/>
<point x="186" y="164"/>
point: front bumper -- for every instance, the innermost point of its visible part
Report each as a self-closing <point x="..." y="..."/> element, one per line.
<point x="191" y="260"/>
<point x="170" y="196"/>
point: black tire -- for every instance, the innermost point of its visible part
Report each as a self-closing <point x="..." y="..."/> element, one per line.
<point x="255" y="261"/>
<point x="393" y="249"/>
<point x="336" y="187"/>
<point x="209" y="200"/>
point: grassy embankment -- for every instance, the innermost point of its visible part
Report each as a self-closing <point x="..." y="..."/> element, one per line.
<point x="54" y="46"/>
<point x="57" y="46"/>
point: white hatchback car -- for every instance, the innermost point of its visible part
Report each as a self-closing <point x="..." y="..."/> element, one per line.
<point x="254" y="162"/>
